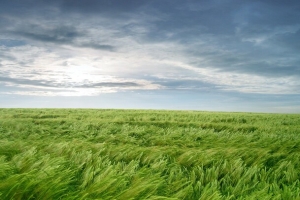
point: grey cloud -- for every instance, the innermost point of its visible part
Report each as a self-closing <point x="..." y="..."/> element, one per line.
<point x="95" y="45"/>
<point x="60" y="35"/>
<point x="258" y="16"/>
<point x="188" y="84"/>
<point x="47" y="83"/>
<point x="6" y="55"/>
<point x="215" y="18"/>
<point x="11" y="43"/>
<point x="266" y="18"/>
<point x="182" y="83"/>
<point x="22" y="81"/>
<point x="262" y="63"/>
<point x="275" y="57"/>
<point x="111" y="84"/>
<point x="223" y="47"/>
<point x="266" y="69"/>
<point x="111" y="8"/>
<point x="214" y="34"/>
<point x="287" y="40"/>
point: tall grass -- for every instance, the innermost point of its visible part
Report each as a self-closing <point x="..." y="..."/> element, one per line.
<point x="138" y="154"/>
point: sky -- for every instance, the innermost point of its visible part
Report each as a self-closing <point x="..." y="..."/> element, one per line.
<point x="217" y="55"/>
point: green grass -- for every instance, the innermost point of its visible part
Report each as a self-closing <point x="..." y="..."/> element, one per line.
<point x="139" y="154"/>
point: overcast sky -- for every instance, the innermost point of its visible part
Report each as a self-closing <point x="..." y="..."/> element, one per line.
<point x="221" y="55"/>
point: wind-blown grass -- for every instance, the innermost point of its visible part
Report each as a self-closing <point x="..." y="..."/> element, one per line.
<point x="138" y="154"/>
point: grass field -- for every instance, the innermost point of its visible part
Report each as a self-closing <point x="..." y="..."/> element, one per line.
<point x="139" y="154"/>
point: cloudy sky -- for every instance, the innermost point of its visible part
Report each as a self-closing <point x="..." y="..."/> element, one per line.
<point x="219" y="55"/>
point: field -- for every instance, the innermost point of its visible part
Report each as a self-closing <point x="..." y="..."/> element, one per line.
<point x="148" y="154"/>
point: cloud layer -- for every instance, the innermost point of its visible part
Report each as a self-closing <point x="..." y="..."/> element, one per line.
<point x="74" y="48"/>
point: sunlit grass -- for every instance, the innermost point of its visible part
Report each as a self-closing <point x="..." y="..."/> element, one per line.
<point x="138" y="154"/>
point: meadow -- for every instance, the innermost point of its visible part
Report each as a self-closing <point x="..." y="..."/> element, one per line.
<point x="148" y="154"/>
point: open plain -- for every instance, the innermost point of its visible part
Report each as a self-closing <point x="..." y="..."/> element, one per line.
<point x="148" y="154"/>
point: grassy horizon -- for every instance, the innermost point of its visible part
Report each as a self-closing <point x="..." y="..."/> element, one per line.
<point x="148" y="154"/>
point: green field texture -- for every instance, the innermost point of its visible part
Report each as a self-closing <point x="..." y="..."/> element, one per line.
<point x="148" y="154"/>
